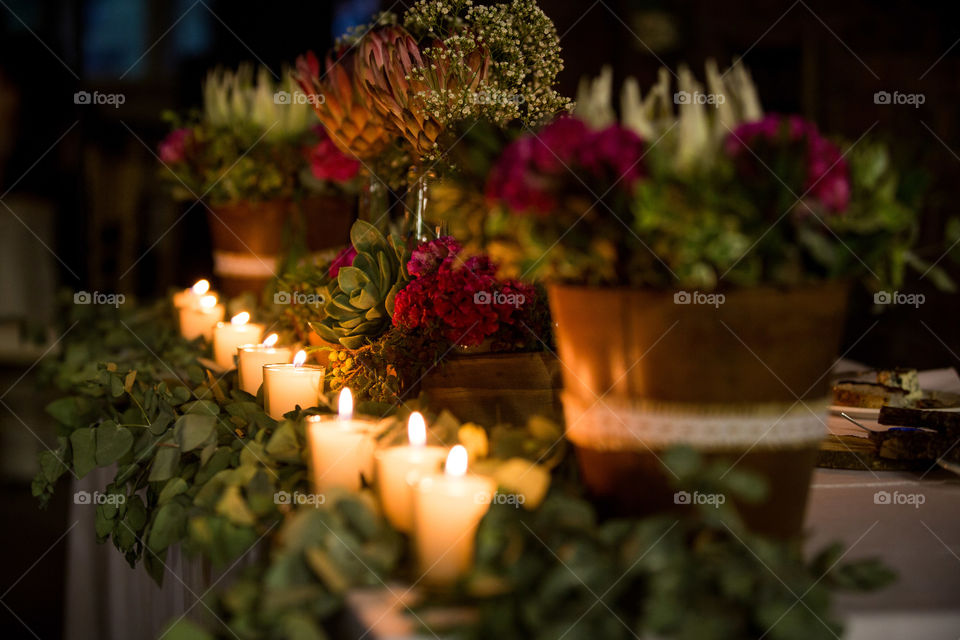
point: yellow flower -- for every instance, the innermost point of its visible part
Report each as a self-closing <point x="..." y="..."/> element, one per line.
<point x="474" y="438"/>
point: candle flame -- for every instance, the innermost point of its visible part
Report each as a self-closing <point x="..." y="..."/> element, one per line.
<point x="346" y="404"/>
<point x="241" y="318"/>
<point x="270" y="340"/>
<point x="456" y="461"/>
<point x="300" y="358"/>
<point x="208" y="302"/>
<point x="417" y="430"/>
<point x="201" y="287"/>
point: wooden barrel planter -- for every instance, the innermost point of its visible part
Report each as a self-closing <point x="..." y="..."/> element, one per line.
<point x="655" y="371"/>
<point x="497" y="388"/>
<point x="249" y="237"/>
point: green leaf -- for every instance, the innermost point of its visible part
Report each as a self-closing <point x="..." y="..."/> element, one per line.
<point x="234" y="507"/>
<point x="84" y="446"/>
<point x="193" y="430"/>
<point x="202" y="407"/>
<point x="165" y="464"/>
<point x="173" y="488"/>
<point x="365" y="238"/>
<point x="113" y="442"/>
<point x="168" y="526"/>
<point x="73" y="411"/>
<point x="136" y="516"/>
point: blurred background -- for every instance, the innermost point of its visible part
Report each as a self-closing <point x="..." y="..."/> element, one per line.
<point x="81" y="205"/>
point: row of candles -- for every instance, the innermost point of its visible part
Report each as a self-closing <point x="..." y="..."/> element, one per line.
<point x="441" y="510"/>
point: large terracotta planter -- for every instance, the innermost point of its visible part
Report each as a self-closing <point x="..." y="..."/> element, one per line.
<point x="496" y="388"/>
<point x="249" y="237"/>
<point x="645" y="370"/>
<point x="247" y="243"/>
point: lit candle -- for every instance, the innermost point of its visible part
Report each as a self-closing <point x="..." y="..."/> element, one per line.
<point x="287" y="385"/>
<point x="227" y="336"/>
<point x="252" y="357"/>
<point x="341" y="447"/>
<point x="191" y="297"/>
<point x="199" y="320"/>
<point x="447" y="507"/>
<point x="400" y="468"/>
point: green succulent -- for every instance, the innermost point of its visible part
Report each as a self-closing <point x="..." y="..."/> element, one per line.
<point x="359" y="303"/>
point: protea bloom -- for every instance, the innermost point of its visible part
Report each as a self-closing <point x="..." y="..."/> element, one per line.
<point x="351" y="122"/>
<point x="419" y="92"/>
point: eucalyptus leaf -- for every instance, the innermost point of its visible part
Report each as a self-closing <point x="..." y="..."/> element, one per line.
<point x="84" y="444"/>
<point x="113" y="442"/>
<point x="193" y="430"/>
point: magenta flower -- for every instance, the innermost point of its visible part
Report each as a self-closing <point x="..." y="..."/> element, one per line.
<point x="173" y="148"/>
<point x="327" y="162"/>
<point x="826" y="175"/>
<point x="343" y="259"/>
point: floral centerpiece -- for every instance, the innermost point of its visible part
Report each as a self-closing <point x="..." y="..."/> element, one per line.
<point x="699" y="258"/>
<point x="255" y="157"/>
<point x="405" y="90"/>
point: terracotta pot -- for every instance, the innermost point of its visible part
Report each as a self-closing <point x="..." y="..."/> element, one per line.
<point x="247" y="243"/>
<point x="644" y="370"/>
<point x="496" y="388"/>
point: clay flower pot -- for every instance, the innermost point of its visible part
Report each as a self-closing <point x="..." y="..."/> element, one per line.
<point x="743" y="377"/>
<point x="248" y="237"/>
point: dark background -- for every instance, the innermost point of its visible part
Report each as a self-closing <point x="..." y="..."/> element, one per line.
<point x="82" y="182"/>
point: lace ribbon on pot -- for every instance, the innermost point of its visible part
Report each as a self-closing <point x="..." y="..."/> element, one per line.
<point x="244" y="265"/>
<point x="616" y="424"/>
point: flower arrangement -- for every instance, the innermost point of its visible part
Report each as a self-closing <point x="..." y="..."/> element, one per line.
<point x="766" y="199"/>
<point x="461" y="299"/>
<point x="447" y="62"/>
<point x="250" y="142"/>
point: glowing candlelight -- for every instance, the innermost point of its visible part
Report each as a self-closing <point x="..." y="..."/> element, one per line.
<point x="199" y="319"/>
<point x="201" y="287"/>
<point x="447" y="507"/>
<point x="227" y="337"/>
<point x="252" y="357"/>
<point x="341" y="447"/>
<point x="345" y="404"/>
<point x="399" y="468"/>
<point x="285" y="386"/>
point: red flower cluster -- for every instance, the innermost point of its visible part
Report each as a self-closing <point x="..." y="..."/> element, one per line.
<point x="825" y="172"/>
<point x="535" y="171"/>
<point x="327" y="162"/>
<point x="460" y="299"/>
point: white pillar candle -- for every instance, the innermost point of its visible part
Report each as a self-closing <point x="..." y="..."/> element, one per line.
<point x="341" y="447"/>
<point x="399" y="468"/>
<point x="191" y="297"/>
<point x="227" y="336"/>
<point x="447" y="507"/>
<point x="199" y="320"/>
<point x="287" y="385"/>
<point x="252" y="357"/>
